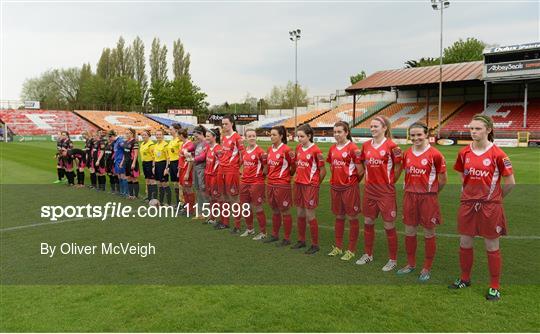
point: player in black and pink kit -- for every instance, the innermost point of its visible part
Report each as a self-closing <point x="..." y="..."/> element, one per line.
<point x="67" y="160"/>
<point x="93" y="159"/>
<point x="59" y="161"/>
<point x="109" y="165"/>
<point x="79" y="156"/>
<point x="131" y="163"/>
<point x="100" y="162"/>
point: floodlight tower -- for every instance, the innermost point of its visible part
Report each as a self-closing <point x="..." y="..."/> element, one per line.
<point x="294" y="36"/>
<point x="440" y="5"/>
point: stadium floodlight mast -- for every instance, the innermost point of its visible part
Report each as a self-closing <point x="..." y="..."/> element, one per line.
<point x="440" y="5"/>
<point x="294" y="36"/>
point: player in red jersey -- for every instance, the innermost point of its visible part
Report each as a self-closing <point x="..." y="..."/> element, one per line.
<point x="482" y="165"/>
<point x="213" y="137"/>
<point x="185" y="170"/>
<point x="344" y="160"/>
<point x="280" y="167"/>
<point x="230" y="157"/>
<point x="310" y="173"/>
<point x="252" y="187"/>
<point x="425" y="177"/>
<point x="381" y="159"/>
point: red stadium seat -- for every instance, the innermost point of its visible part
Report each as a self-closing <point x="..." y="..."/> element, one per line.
<point x="43" y="122"/>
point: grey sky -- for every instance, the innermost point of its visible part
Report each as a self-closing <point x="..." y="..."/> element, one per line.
<point x="244" y="47"/>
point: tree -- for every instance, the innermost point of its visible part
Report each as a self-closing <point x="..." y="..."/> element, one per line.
<point x="470" y="49"/>
<point x="429" y="61"/>
<point x="181" y="61"/>
<point x="139" y="68"/>
<point x="284" y="97"/>
<point x="105" y="64"/>
<point x="158" y="62"/>
<point x="355" y="78"/>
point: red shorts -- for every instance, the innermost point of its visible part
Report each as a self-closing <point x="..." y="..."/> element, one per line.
<point x="229" y="183"/>
<point x="346" y="200"/>
<point x="485" y="219"/>
<point x="306" y="196"/>
<point x="279" y="196"/>
<point x="252" y="193"/>
<point x="182" y="174"/>
<point x="421" y="209"/>
<point x="386" y="206"/>
<point x="211" y="185"/>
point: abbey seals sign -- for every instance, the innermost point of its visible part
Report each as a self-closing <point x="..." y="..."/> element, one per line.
<point x="513" y="66"/>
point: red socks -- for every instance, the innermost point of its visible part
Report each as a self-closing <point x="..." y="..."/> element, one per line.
<point x="430" y="248"/>
<point x="391" y="237"/>
<point x="466" y="257"/>
<point x="276" y="224"/>
<point x="353" y="234"/>
<point x="287" y="222"/>
<point x="339" y="229"/>
<point x="301" y="222"/>
<point x="410" y="249"/>
<point x="494" y="264"/>
<point x="261" y="217"/>
<point x="369" y="238"/>
<point x="249" y="221"/>
<point x="314" y="230"/>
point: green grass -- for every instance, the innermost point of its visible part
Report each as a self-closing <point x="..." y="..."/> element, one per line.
<point x="206" y="280"/>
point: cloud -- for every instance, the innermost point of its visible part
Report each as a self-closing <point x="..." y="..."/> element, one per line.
<point x="243" y="47"/>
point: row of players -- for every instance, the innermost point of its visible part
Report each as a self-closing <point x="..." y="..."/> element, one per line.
<point x="266" y="177"/>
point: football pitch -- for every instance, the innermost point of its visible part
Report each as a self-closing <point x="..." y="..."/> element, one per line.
<point x="205" y="280"/>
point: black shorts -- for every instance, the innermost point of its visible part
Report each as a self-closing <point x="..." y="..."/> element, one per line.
<point x="159" y="170"/>
<point x="132" y="172"/>
<point x="173" y="170"/>
<point x="147" y="170"/>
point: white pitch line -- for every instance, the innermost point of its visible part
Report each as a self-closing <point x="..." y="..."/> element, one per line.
<point x="447" y="235"/>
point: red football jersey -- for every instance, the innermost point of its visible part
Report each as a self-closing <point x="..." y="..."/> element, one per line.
<point x="422" y="170"/>
<point x="343" y="162"/>
<point x="482" y="173"/>
<point x="187" y="148"/>
<point x="231" y="147"/>
<point x="253" y="162"/>
<point x="212" y="161"/>
<point x="308" y="162"/>
<point x="280" y="161"/>
<point x="379" y="162"/>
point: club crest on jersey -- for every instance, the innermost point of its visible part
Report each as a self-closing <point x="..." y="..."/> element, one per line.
<point x="344" y="154"/>
<point x="382" y="152"/>
<point x="355" y="208"/>
<point x="253" y="157"/>
<point x="434" y="220"/>
<point x="308" y="156"/>
<point x="285" y="203"/>
<point x="311" y="202"/>
<point x="278" y="155"/>
<point x="424" y="162"/>
<point x="486" y="162"/>
<point x="393" y="213"/>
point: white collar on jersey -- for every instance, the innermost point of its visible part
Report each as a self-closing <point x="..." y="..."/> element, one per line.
<point x="340" y="148"/>
<point x="254" y="147"/>
<point x="307" y="148"/>
<point x="479" y="153"/>
<point x="416" y="153"/>
<point x="276" y="149"/>
<point x="229" y="136"/>
<point x="373" y="143"/>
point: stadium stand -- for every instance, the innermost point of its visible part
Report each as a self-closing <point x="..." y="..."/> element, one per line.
<point x="168" y="121"/>
<point x="268" y="122"/>
<point x="43" y="122"/>
<point x="507" y="116"/>
<point x="118" y="120"/>
<point x="402" y="115"/>
<point x="305" y="118"/>
<point x="345" y="113"/>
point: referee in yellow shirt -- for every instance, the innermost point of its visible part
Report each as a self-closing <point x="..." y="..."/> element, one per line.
<point x="173" y="150"/>
<point x="161" y="167"/>
<point x="147" y="156"/>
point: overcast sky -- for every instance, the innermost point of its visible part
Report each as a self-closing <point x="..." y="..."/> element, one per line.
<point x="238" y="48"/>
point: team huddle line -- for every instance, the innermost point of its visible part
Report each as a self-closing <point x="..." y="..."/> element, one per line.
<point x="218" y="169"/>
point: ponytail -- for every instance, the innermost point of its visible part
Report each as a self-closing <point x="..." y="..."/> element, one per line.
<point x="345" y="127"/>
<point x="231" y="118"/>
<point x="386" y="123"/>
<point x="488" y="122"/>
<point x="282" y="132"/>
<point x="307" y="129"/>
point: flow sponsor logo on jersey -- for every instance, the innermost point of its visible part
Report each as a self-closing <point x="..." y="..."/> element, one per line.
<point x="376" y="162"/>
<point x="249" y="163"/>
<point x="416" y="171"/>
<point x="301" y="163"/>
<point x="338" y="163"/>
<point x="273" y="163"/>
<point x="476" y="172"/>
